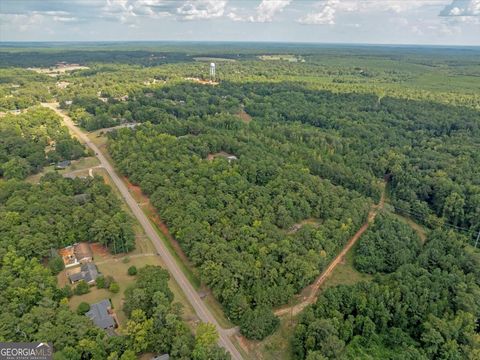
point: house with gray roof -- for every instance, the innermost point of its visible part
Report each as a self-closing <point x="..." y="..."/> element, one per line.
<point x="88" y="273"/>
<point x="102" y="315"/>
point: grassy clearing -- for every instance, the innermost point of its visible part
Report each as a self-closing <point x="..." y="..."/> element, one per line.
<point x="76" y="166"/>
<point x="419" y="229"/>
<point x="277" y="346"/>
<point x="213" y="59"/>
<point x="345" y="273"/>
<point x="281" y="57"/>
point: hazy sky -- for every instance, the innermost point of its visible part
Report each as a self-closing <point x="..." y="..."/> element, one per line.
<point x="343" y="21"/>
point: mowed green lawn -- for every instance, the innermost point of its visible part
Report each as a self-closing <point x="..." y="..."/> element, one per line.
<point x="117" y="268"/>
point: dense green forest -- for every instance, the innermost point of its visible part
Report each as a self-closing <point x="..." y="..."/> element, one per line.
<point x="362" y="138"/>
<point x="352" y="140"/>
<point x="417" y="307"/>
<point x="261" y="176"/>
<point x="59" y="212"/>
<point x="33" y="139"/>
<point x="233" y="218"/>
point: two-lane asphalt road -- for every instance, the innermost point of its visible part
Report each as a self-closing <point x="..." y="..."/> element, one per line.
<point x="200" y="308"/>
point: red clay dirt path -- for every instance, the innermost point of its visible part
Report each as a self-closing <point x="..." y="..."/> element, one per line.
<point x="151" y="212"/>
<point x="310" y="293"/>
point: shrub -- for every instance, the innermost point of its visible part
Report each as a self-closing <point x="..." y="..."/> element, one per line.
<point x="100" y="281"/>
<point x="81" y="288"/>
<point x="66" y="291"/>
<point x="132" y="270"/>
<point x="82" y="308"/>
<point x="114" y="287"/>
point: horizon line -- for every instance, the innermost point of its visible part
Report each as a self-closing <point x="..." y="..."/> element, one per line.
<point x="6" y="42"/>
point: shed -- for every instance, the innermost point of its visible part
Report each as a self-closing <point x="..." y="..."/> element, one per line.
<point x="62" y="165"/>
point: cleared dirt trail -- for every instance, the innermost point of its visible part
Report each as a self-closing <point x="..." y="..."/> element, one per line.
<point x="310" y="293"/>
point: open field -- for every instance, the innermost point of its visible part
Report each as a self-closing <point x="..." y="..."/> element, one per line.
<point x="78" y="167"/>
<point x="213" y="59"/>
<point x="58" y="70"/>
<point x="281" y="57"/>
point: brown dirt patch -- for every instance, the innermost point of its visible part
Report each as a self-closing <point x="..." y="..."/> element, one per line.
<point x="243" y="115"/>
<point x="150" y="211"/>
<point x="201" y="81"/>
<point x="223" y="154"/>
<point x="100" y="252"/>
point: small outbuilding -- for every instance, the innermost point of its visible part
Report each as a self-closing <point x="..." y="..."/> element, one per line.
<point x="62" y="165"/>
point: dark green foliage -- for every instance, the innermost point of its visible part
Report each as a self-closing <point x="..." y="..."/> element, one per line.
<point x="81" y="288"/>
<point x="258" y="323"/>
<point x="150" y="279"/>
<point x="423" y="310"/>
<point x="101" y="282"/>
<point x="418" y="146"/>
<point x="82" y="308"/>
<point x="56" y="264"/>
<point x="38" y="218"/>
<point x="386" y="246"/>
<point x="32" y="311"/>
<point x="233" y="219"/>
<point x="132" y="270"/>
<point x="65" y="292"/>
<point x="155" y="323"/>
<point x="25" y="139"/>
<point x="325" y="131"/>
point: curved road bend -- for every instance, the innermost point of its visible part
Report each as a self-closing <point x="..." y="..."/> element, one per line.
<point x="200" y="308"/>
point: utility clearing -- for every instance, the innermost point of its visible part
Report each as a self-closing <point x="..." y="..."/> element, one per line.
<point x="310" y="293"/>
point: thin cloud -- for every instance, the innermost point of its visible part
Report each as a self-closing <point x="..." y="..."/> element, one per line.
<point x="326" y="11"/>
<point x="201" y="9"/>
<point x="266" y="11"/>
<point x="461" y="8"/>
<point x="325" y="15"/>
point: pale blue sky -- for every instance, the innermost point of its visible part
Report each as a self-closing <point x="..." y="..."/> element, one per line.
<point x="452" y="22"/>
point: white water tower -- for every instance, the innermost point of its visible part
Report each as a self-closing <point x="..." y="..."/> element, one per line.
<point x="212" y="71"/>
